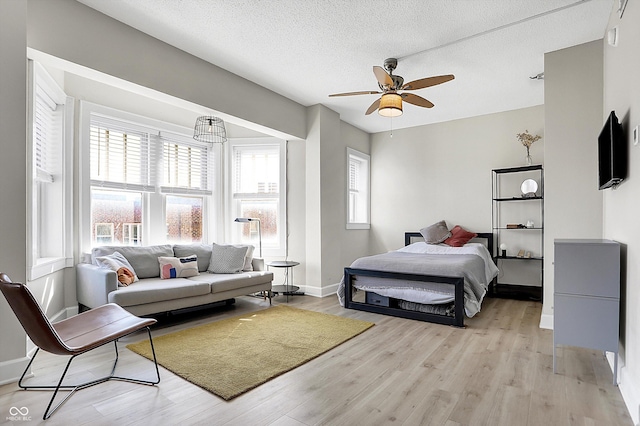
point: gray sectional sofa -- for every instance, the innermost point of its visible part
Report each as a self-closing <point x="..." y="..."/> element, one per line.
<point x="150" y="294"/>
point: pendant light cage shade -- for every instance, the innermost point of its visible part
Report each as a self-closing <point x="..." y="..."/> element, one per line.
<point x="210" y="129"/>
<point x="390" y="105"/>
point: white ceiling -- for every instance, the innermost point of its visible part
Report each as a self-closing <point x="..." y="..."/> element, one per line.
<point x="308" y="49"/>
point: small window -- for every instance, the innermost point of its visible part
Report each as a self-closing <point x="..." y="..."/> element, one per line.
<point x="104" y="233"/>
<point x="258" y="170"/>
<point x="358" y="206"/>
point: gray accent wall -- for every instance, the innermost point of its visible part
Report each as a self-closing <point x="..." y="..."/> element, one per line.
<point x="573" y="119"/>
<point x="13" y="176"/>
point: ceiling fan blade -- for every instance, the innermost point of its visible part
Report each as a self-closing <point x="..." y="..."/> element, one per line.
<point x="383" y="78"/>
<point x="416" y="100"/>
<point x="355" y="93"/>
<point x="374" y="106"/>
<point x="427" y="82"/>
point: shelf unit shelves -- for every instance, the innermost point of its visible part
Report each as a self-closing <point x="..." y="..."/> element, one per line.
<point x="510" y="205"/>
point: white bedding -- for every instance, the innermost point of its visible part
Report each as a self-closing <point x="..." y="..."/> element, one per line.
<point x="476" y="282"/>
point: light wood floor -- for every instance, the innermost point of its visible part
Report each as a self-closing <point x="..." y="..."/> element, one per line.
<point x="496" y="371"/>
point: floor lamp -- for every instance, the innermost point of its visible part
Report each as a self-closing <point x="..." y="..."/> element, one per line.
<point x="253" y="219"/>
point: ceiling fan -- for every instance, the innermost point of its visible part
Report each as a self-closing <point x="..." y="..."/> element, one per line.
<point x="390" y="103"/>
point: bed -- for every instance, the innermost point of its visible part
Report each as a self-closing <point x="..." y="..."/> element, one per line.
<point x="433" y="283"/>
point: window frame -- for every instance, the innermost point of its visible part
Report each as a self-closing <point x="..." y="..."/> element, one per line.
<point x="234" y="229"/>
<point x="153" y="230"/>
<point x="58" y="221"/>
<point x="366" y="191"/>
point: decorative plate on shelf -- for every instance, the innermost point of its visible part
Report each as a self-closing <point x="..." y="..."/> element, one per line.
<point x="529" y="188"/>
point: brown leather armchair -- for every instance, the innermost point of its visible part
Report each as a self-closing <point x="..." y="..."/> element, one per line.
<point x="73" y="336"/>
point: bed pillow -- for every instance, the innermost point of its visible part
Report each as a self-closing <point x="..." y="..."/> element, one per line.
<point x="436" y="233"/>
<point x="115" y="261"/>
<point x="227" y="259"/>
<point x="178" y="267"/>
<point x="459" y="237"/>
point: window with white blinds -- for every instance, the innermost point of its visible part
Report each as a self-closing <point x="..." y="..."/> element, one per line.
<point x="50" y="193"/>
<point x="121" y="156"/>
<point x="258" y="173"/>
<point x="150" y="182"/>
<point x="357" y="190"/>
<point x="256" y="169"/>
<point x="185" y="165"/>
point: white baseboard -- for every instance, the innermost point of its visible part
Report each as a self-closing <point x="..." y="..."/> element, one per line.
<point x="630" y="390"/>
<point x="11" y="370"/>
<point x="546" y="321"/>
<point x="64" y="314"/>
<point x="320" y="291"/>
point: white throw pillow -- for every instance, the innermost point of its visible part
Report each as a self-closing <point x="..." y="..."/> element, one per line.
<point x="248" y="258"/>
<point x="115" y="261"/>
<point x="227" y="259"/>
<point x="178" y="267"/>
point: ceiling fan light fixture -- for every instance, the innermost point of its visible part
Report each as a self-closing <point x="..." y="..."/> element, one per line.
<point x="390" y="105"/>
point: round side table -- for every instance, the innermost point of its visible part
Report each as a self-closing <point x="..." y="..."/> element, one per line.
<point x="288" y="289"/>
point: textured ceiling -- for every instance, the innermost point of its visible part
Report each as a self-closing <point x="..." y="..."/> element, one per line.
<point x="308" y="49"/>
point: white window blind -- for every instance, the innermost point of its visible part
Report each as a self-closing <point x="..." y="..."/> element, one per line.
<point x="185" y="165"/>
<point x="122" y="156"/>
<point x="47" y="132"/>
<point x="354" y="171"/>
<point x="257" y="169"/>
<point x="357" y="190"/>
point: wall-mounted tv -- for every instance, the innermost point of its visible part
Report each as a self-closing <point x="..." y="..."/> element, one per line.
<point x="612" y="154"/>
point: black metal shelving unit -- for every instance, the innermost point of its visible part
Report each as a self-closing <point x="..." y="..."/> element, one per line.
<point x="529" y="202"/>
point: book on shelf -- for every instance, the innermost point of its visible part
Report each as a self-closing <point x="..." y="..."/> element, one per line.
<point x="515" y="226"/>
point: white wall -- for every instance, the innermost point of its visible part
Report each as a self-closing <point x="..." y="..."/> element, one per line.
<point x="621" y="223"/>
<point x="443" y="171"/>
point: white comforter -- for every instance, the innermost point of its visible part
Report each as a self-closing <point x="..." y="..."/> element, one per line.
<point x="472" y="261"/>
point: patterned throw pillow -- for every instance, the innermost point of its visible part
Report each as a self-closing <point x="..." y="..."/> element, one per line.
<point x="178" y="267"/>
<point x="227" y="259"/>
<point x="115" y="261"/>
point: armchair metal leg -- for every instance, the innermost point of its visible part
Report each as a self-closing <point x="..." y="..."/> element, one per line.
<point x="73" y="388"/>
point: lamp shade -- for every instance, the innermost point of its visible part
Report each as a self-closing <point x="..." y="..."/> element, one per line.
<point x="210" y="129"/>
<point x="253" y="219"/>
<point x="390" y="105"/>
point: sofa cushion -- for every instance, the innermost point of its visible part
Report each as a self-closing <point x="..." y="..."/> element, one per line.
<point x="178" y="267"/>
<point x="143" y="259"/>
<point x="152" y="290"/>
<point x="227" y="259"/>
<point x="203" y="251"/>
<point x="224" y="282"/>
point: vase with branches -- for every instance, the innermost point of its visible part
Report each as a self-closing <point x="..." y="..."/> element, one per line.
<point x="527" y="140"/>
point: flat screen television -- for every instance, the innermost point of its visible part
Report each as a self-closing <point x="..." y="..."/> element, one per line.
<point x="612" y="154"/>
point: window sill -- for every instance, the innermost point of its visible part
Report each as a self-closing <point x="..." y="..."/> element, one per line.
<point x="358" y="226"/>
<point x="48" y="265"/>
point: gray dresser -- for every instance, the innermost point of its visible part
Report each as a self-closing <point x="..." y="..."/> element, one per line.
<point x="586" y="296"/>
